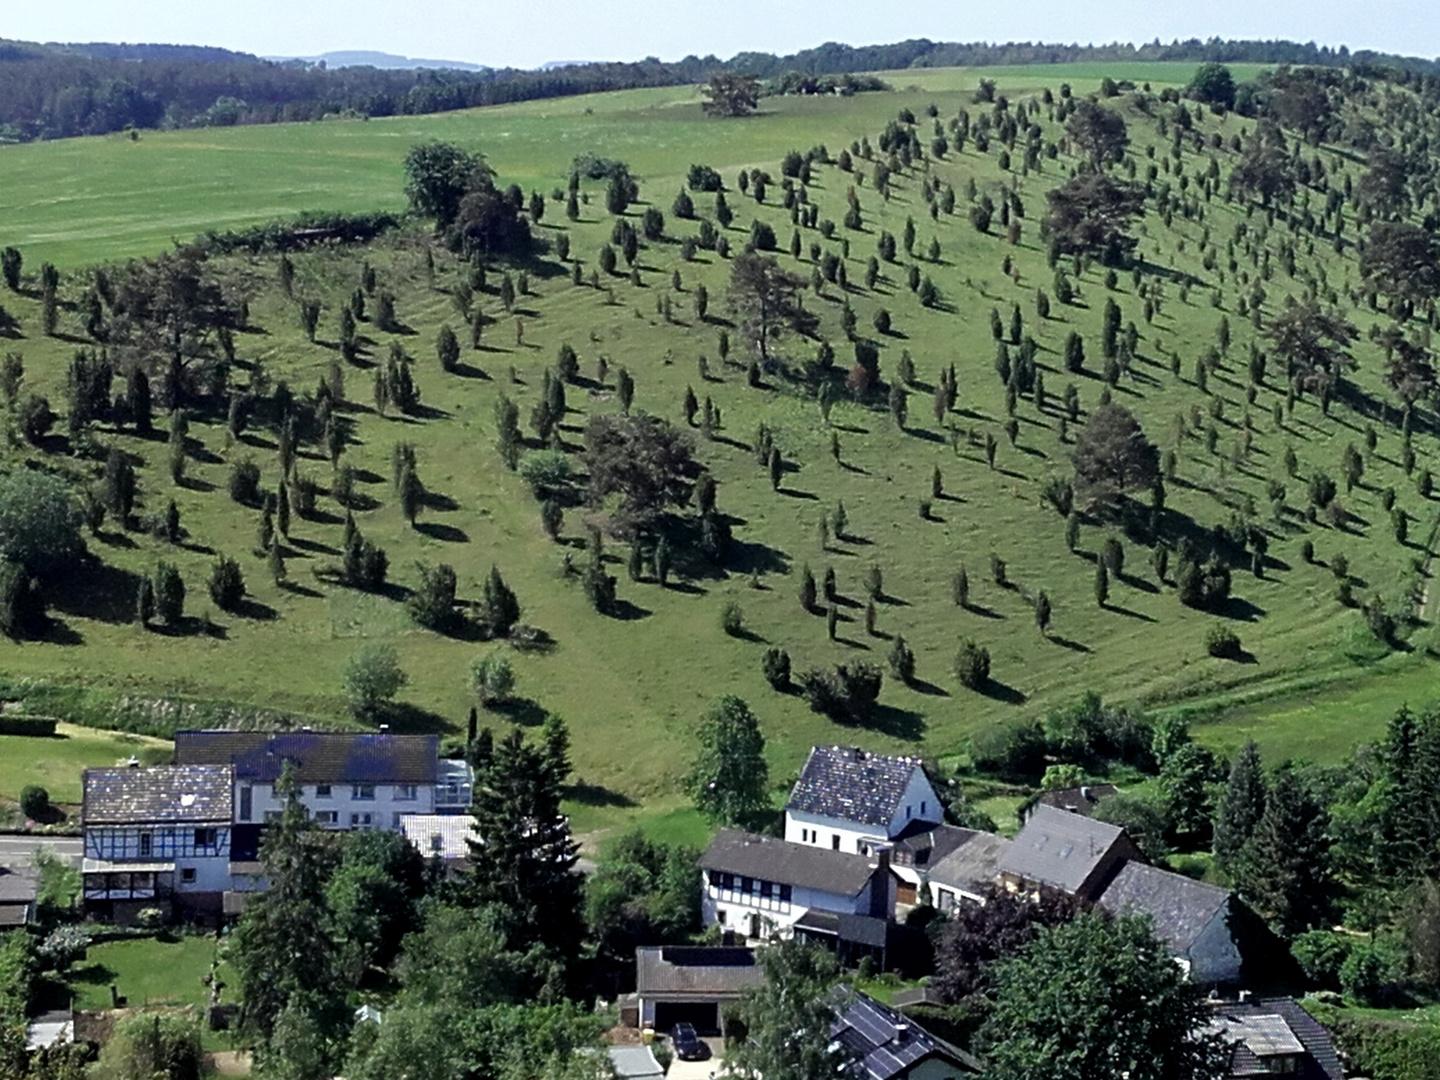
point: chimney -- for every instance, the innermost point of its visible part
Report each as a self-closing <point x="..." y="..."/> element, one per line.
<point x="384" y="728"/>
<point x="1243" y="996"/>
<point x="133" y="762"/>
<point x="902" y="1033"/>
<point x="1086" y="794"/>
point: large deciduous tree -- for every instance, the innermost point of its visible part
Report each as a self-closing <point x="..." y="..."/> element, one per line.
<point x="1312" y="342"/>
<point x="729" y="779"/>
<point x="1112" y="455"/>
<point x="644" y="461"/>
<point x="1402" y="261"/>
<point x="1090" y="214"/>
<point x="789" y="1017"/>
<point x="1099" y="133"/>
<point x="731" y="94"/>
<point x="1265" y="169"/>
<point x="766" y="300"/>
<point x="1096" y="999"/>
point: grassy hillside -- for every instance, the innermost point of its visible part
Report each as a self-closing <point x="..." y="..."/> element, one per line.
<point x="632" y="688"/>
<point x="74" y="202"/>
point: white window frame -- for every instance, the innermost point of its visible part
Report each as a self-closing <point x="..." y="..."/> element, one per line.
<point x="362" y="793"/>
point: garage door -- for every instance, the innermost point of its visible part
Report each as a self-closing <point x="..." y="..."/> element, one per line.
<point x="704" y="1015"/>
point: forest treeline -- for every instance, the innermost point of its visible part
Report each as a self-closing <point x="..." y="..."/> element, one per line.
<point x="57" y="91"/>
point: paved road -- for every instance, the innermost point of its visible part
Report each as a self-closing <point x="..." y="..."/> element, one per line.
<point x="20" y="849"/>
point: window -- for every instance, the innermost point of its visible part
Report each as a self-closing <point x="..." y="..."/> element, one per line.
<point x="145" y="842"/>
<point x="361" y="821"/>
<point x="720" y="916"/>
<point x="835" y="842"/>
<point x="363" y="791"/>
<point x="907" y="813"/>
<point x="922" y="806"/>
<point x="747" y="885"/>
<point x="205" y="837"/>
<point x="437" y="843"/>
<point x="395" y="821"/>
<point x="405" y="793"/>
<point x="785" y="894"/>
<point x="245" y="800"/>
<point x="767" y="890"/>
<point x="187" y="875"/>
<point x="322" y="791"/>
<point x="945" y="900"/>
<point x="327" y="817"/>
<point x="723" y="880"/>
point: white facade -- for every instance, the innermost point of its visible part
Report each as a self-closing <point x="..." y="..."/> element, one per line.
<point x="770" y="908"/>
<point x="338" y="806"/>
<point x="195" y="858"/>
<point x="919" y="803"/>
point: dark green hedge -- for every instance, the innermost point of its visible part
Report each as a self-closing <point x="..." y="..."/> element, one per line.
<point x="307" y="229"/>
<point x="1384" y="1049"/>
<point x="13" y="724"/>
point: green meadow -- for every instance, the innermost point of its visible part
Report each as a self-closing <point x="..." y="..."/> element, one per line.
<point x="1313" y="682"/>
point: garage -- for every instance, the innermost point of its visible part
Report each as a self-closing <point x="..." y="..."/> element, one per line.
<point x="691" y="984"/>
<point x="703" y="1016"/>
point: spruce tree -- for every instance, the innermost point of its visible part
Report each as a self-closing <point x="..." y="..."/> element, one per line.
<point x="522" y="857"/>
<point x="1240" y="807"/>
<point x="1285" y="870"/>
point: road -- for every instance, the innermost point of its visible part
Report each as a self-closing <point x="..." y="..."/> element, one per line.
<point x="20" y="849"/>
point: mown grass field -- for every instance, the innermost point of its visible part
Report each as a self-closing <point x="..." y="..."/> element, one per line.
<point x="632" y="689"/>
<point x="147" y="971"/>
<point x="56" y="763"/>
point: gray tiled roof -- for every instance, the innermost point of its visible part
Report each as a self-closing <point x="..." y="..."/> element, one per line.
<point x="1079" y="800"/>
<point x="888" y="1044"/>
<point x="686" y="971"/>
<point x="157" y="793"/>
<point x="922" y="844"/>
<point x="768" y="859"/>
<point x="1320" y="1061"/>
<point x="1059" y="848"/>
<point x="851" y="784"/>
<point x="973" y="865"/>
<point x="1180" y="907"/>
<point x="319" y="757"/>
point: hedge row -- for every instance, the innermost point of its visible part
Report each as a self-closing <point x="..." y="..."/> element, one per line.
<point x="19" y="724"/>
<point x="1385" y="1049"/>
<point x="307" y="229"/>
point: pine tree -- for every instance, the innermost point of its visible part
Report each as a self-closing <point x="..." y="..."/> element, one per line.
<point x="276" y="564"/>
<point x="1102" y="582"/>
<point x="522" y="856"/>
<point x="1240" y="807"/>
<point x="1285" y="870"/>
<point x="807" y="590"/>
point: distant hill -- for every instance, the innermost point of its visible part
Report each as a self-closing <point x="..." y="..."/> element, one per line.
<point x="193" y="54"/>
<point x="385" y="61"/>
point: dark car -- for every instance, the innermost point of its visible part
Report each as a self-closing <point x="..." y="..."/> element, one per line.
<point x="688" y="1046"/>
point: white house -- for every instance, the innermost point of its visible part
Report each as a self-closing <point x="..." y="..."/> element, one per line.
<point x="761" y="887"/>
<point x="348" y="780"/>
<point x="157" y="837"/>
<point x="850" y="800"/>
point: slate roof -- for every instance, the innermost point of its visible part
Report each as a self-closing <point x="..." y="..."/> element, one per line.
<point x="320" y="757"/>
<point x="973" y="865"/>
<point x="157" y="794"/>
<point x="888" y="1044"/>
<point x="1180" y="907"/>
<point x="1058" y="848"/>
<point x="857" y="929"/>
<point x="850" y="784"/>
<point x="1276" y="1025"/>
<point x="1079" y="800"/>
<point x="923" y="845"/>
<point x="768" y="859"/>
<point x="695" y="971"/>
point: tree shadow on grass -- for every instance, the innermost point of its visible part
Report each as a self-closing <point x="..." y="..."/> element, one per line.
<point x="406" y="718"/>
<point x="444" y="533"/>
<point x="898" y="723"/>
<point x="249" y="608"/>
<point x="59" y="632"/>
<point x="1069" y="643"/>
<point x="97" y="591"/>
<point x="1002" y="692"/>
<point x="929" y="689"/>
<point x="983" y="611"/>
<point x="524" y="712"/>
<point x="626" y="611"/>
<point x="587" y="794"/>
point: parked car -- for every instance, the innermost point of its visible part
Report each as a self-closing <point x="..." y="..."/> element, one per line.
<point x="688" y="1045"/>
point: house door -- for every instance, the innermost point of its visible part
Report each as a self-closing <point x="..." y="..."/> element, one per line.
<point x="753" y="930"/>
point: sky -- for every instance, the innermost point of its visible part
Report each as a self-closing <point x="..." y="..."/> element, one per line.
<point x="527" y="33"/>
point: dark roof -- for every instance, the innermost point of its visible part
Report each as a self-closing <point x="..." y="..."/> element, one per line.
<point x="1180" y="907"/>
<point x="922" y="844"/>
<point x="768" y="859"/>
<point x="857" y="929"/>
<point x="850" y="784"/>
<point x="974" y="864"/>
<point x="1059" y="848"/>
<point x="157" y="793"/>
<point x="1258" y="1021"/>
<point x="323" y="757"/>
<point x="888" y="1044"/>
<point x="1078" y="800"/>
<point x="685" y="971"/>
<point x="18" y="884"/>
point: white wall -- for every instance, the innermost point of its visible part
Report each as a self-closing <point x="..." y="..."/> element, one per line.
<point x="779" y="917"/>
<point x="918" y="804"/>
<point x="382" y="808"/>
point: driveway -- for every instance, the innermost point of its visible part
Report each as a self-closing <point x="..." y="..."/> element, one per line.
<point x="699" y="1070"/>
